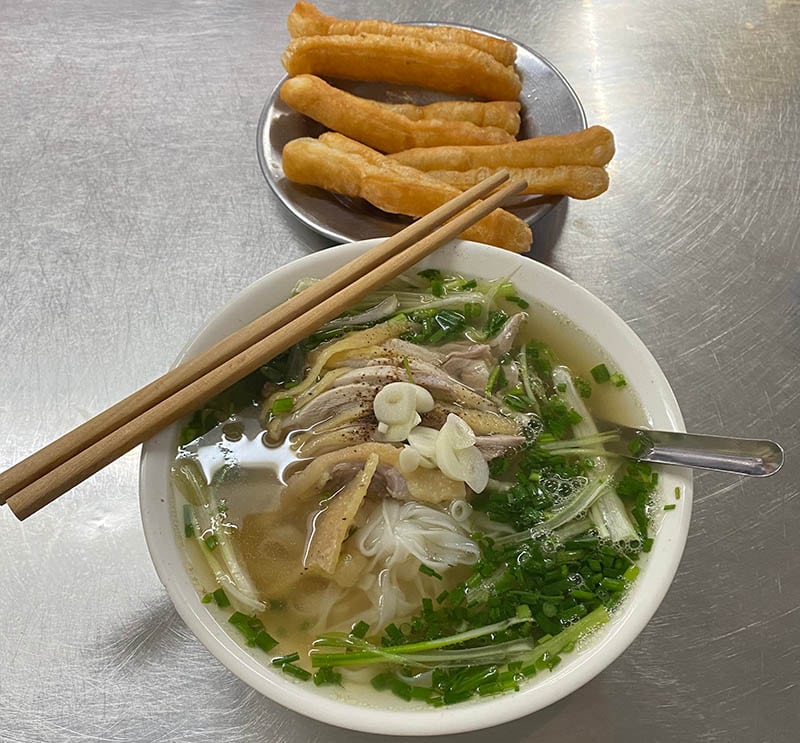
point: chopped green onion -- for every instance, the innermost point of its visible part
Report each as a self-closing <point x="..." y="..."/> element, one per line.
<point x="211" y="541"/>
<point x="669" y="507"/>
<point x="221" y="598"/>
<point x="425" y="570"/>
<point x="636" y="447"/>
<point x="407" y="367"/>
<point x="188" y="521"/>
<point x="518" y="401"/>
<point x="618" y="380"/>
<point x="207" y="598"/>
<point x="519" y="301"/>
<point x="360" y="630"/>
<point x="430" y="274"/>
<point x="283" y="659"/>
<point x="647" y="545"/>
<point x="282" y="405"/>
<point x="296" y="671"/>
<point x="583" y="387"/>
<point x="253" y="631"/>
<point x="600" y="373"/>
<point x="327" y="675"/>
<point x="677" y="493"/>
<point x="631" y="573"/>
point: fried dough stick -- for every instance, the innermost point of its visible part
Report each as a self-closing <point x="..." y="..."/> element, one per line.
<point x="393" y="188"/>
<point x="592" y="146"/>
<point x="376" y="126"/>
<point x="502" y="114"/>
<point x="404" y="60"/>
<point x="576" y="181"/>
<point x="306" y="20"/>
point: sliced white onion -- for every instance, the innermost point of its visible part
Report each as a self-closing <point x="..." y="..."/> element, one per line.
<point x="396" y="403"/>
<point x="457" y="432"/>
<point x="408" y="460"/>
<point x="465" y="464"/>
<point x="423" y="439"/>
<point x="424" y="400"/>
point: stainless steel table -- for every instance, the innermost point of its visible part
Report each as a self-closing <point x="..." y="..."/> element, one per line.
<point x="131" y="206"/>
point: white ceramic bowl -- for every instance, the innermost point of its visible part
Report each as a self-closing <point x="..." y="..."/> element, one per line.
<point x="534" y="281"/>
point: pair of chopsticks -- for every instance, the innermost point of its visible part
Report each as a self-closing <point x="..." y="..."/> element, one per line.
<point x="52" y="471"/>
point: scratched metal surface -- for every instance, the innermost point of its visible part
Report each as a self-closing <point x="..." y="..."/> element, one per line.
<point x="131" y="205"/>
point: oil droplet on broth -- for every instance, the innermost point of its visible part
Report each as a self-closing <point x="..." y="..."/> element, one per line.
<point x="237" y="462"/>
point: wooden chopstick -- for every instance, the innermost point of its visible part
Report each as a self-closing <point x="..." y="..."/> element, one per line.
<point x="55" y="479"/>
<point x="38" y="464"/>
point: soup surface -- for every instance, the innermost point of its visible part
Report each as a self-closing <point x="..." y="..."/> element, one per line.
<point x="418" y="496"/>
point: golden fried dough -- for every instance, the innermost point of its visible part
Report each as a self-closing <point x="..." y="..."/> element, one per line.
<point x="447" y="66"/>
<point x="376" y="126"/>
<point x="577" y="181"/>
<point x="306" y="20"/>
<point x="344" y="169"/>
<point x="502" y="114"/>
<point x="592" y="146"/>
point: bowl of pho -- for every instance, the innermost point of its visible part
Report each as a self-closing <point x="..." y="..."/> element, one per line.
<point x="409" y="523"/>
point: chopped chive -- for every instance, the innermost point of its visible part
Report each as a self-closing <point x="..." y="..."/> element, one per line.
<point x="407" y="367"/>
<point x="393" y="633"/>
<point x="253" y="631"/>
<point x="472" y="310"/>
<point x="283" y="659"/>
<point x="188" y="521"/>
<point x="211" y="541"/>
<point x="282" y="405"/>
<point x="613" y="584"/>
<point x="636" y="447"/>
<point x="425" y="570"/>
<point x="381" y="681"/>
<point x="677" y="493"/>
<point x="360" y="630"/>
<point x="519" y="301"/>
<point x="583" y="387"/>
<point x="265" y="641"/>
<point x="430" y="274"/>
<point x="400" y="689"/>
<point x="221" y="598"/>
<point x="618" y="380"/>
<point x="518" y="401"/>
<point x="327" y="675"/>
<point x="647" y="545"/>
<point x="207" y="598"/>
<point x="491" y="381"/>
<point x="669" y="507"/>
<point x="631" y="573"/>
<point x="600" y="373"/>
<point x="296" y="671"/>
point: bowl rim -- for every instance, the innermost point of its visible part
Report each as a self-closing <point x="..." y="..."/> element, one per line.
<point x="647" y="380"/>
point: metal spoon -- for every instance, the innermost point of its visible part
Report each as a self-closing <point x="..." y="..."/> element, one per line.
<point x="751" y="457"/>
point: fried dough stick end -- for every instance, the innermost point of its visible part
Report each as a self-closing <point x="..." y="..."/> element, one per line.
<point x="446" y="66"/>
<point x="392" y="188"/>
<point x="575" y="181"/>
<point x="306" y="20"/>
<point x="500" y="114"/>
<point x="593" y="146"/>
<point x="374" y="125"/>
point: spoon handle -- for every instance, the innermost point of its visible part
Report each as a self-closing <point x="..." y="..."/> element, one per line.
<point x="751" y="457"/>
